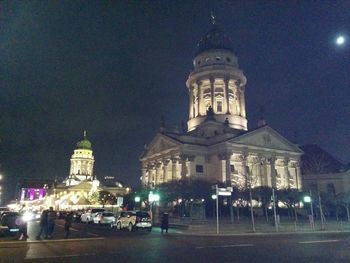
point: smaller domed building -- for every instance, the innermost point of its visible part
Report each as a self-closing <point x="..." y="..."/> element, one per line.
<point x="81" y="188"/>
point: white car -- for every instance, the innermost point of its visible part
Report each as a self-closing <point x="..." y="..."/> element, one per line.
<point x="88" y="216"/>
<point x="133" y="220"/>
<point x="104" y="218"/>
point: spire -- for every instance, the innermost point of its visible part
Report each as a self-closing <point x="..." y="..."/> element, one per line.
<point x="261" y="121"/>
<point x="84" y="134"/>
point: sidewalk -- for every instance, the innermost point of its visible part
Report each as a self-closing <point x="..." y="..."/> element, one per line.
<point x="244" y="227"/>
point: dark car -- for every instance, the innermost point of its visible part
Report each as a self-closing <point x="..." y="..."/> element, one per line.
<point x="10" y="223"/>
<point x="77" y="216"/>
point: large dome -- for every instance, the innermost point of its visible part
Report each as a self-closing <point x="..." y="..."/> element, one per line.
<point x="85" y="143"/>
<point x="216" y="38"/>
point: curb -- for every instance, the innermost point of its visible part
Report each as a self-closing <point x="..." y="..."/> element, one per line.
<point x="261" y="233"/>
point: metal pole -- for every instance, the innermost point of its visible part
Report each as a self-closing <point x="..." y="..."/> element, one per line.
<point x="231" y="210"/>
<point x="274" y="209"/>
<point x="217" y="209"/>
<point x="251" y="208"/>
<point x="312" y="213"/>
<point x="321" y="212"/>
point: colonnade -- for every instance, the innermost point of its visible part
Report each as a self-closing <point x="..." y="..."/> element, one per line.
<point x="225" y="95"/>
<point x="238" y="169"/>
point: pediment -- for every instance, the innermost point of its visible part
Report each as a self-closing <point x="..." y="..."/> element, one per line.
<point x="160" y="144"/>
<point x="266" y="137"/>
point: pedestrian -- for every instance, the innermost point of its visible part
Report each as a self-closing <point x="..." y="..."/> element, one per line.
<point x="51" y="216"/>
<point x="22" y="233"/>
<point x="165" y="222"/>
<point x="43" y="224"/>
<point x="68" y="223"/>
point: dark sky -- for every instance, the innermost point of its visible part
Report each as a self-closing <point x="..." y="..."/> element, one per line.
<point x="113" y="67"/>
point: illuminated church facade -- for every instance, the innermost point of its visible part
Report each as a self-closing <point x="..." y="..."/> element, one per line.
<point x="217" y="144"/>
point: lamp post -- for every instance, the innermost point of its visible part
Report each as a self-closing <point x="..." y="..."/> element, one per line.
<point x="152" y="199"/>
<point x="137" y="200"/>
<point x="308" y="199"/>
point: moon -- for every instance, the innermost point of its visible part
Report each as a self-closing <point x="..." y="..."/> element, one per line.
<point x="340" y="40"/>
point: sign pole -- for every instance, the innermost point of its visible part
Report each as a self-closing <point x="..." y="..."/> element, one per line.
<point x="217" y="208"/>
<point x="274" y="209"/>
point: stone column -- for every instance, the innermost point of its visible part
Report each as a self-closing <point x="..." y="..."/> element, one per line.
<point x="199" y="94"/>
<point x="227" y="95"/>
<point x="212" y="81"/>
<point x="184" y="171"/>
<point x="255" y="173"/>
<point x="158" y="179"/>
<point x="263" y="172"/>
<point x="225" y="159"/>
<point x="271" y="172"/>
<point x="173" y="169"/>
<point x="286" y="175"/>
<point x="190" y="168"/>
<point x="299" y="184"/>
<point x="144" y="179"/>
<point x="165" y="170"/>
<point x="152" y="174"/>
<point x="242" y="101"/>
<point x="292" y="174"/>
<point x="190" y="103"/>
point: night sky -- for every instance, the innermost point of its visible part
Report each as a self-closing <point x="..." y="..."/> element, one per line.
<point x="113" y="67"/>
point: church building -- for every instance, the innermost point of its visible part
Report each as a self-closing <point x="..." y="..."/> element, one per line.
<point x="217" y="144"/>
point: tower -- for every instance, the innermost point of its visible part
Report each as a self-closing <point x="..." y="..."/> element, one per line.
<point x="217" y="82"/>
<point x="81" y="163"/>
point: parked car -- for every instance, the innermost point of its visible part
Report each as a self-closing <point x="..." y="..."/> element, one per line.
<point x="88" y="216"/>
<point x="104" y="218"/>
<point x="133" y="220"/>
<point x="10" y="223"/>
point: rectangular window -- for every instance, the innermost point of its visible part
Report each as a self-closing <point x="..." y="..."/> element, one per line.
<point x="219" y="106"/>
<point x="199" y="168"/>
<point x="233" y="169"/>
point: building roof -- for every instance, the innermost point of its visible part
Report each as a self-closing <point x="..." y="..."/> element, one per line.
<point x="84" y="143"/>
<point x="318" y="161"/>
<point x="215" y="38"/>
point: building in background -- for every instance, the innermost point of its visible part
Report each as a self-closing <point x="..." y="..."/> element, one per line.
<point x="80" y="189"/>
<point x="322" y="172"/>
<point x="217" y="144"/>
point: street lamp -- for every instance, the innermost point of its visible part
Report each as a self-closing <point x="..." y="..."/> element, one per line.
<point x="152" y="199"/>
<point x="308" y="199"/>
<point x="137" y="199"/>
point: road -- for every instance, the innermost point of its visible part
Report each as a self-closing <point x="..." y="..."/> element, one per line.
<point x="90" y="243"/>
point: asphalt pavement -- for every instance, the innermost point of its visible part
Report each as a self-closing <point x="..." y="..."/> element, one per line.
<point x="93" y="243"/>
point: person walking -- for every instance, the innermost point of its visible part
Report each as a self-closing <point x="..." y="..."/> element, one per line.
<point x="68" y="223"/>
<point x="23" y="230"/>
<point x="165" y="222"/>
<point x="43" y="225"/>
<point x="51" y="216"/>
